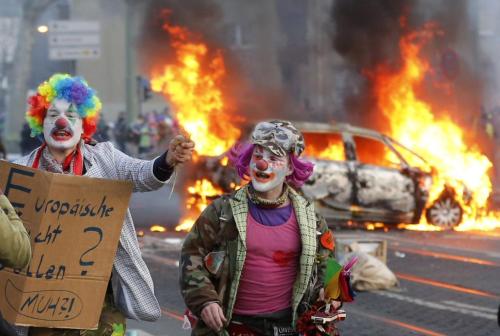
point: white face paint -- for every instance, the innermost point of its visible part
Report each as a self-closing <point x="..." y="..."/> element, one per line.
<point x="62" y="126"/>
<point x="268" y="171"/>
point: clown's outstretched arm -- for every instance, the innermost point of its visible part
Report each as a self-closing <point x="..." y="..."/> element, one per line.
<point x="148" y="175"/>
<point x="15" y="248"/>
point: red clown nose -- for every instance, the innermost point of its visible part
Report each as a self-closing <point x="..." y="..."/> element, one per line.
<point x="61" y="123"/>
<point x="261" y="165"/>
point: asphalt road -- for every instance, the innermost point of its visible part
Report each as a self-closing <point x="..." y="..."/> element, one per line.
<point x="449" y="284"/>
<point x="159" y="207"/>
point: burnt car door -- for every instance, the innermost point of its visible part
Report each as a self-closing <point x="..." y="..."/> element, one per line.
<point x="383" y="192"/>
<point x="331" y="185"/>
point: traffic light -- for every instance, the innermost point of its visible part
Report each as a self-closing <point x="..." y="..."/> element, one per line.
<point x="144" y="88"/>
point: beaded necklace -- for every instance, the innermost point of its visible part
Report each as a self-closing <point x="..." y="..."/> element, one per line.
<point x="265" y="202"/>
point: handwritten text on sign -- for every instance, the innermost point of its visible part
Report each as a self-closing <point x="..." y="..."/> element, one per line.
<point x="74" y="224"/>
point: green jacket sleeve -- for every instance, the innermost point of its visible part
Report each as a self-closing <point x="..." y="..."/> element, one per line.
<point x="196" y="286"/>
<point x="325" y="250"/>
<point x="15" y="248"/>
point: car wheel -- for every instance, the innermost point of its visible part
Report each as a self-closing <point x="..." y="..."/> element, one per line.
<point x="444" y="212"/>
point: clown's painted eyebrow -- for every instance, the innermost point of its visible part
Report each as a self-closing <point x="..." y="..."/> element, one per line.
<point x="71" y="108"/>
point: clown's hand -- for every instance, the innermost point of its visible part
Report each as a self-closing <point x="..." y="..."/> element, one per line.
<point x="180" y="150"/>
<point x="333" y="305"/>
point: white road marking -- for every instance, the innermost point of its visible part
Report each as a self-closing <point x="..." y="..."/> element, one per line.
<point x="469" y="306"/>
<point x="472" y="237"/>
<point x="421" y="243"/>
<point x="136" y="332"/>
<point x="439" y="306"/>
<point x="173" y="241"/>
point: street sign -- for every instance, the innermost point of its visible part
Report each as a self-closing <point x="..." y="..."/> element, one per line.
<point x="73" y="40"/>
<point x="73" y="53"/>
<point x="71" y="26"/>
<point x="65" y="40"/>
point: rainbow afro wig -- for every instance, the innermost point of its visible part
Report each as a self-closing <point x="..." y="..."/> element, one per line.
<point x="72" y="89"/>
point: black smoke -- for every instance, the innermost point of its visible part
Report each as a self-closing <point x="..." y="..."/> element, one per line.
<point x="367" y="32"/>
<point x="201" y="16"/>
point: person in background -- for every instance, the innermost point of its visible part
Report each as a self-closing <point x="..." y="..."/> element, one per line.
<point x="255" y="260"/>
<point x="28" y="143"/>
<point x="120" y="132"/>
<point x="66" y="110"/>
<point x="164" y="134"/>
<point x="140" y="134"/>
<point x="3" y="151"/>
<point x="102" y="132"/>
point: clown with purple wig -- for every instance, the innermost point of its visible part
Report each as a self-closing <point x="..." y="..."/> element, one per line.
<point x="255" y="260"/>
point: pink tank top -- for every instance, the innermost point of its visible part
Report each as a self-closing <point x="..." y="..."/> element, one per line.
<point x="270" y="269"/>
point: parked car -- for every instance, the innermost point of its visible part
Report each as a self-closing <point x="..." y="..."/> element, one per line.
<point x="362" y="175"/>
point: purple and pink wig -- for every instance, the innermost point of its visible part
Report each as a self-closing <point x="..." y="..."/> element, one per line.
<point x="72" y="89"/>
<point x="241" y="154"/>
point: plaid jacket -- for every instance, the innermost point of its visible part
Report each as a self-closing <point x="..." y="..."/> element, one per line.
<point x="221" y="228"/>
<point x="132" y="284"/>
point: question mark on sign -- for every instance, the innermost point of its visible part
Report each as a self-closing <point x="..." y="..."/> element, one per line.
<point x="90" y="262"/>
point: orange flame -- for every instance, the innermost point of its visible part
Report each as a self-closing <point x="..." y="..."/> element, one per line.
<point x="157" y="228"/>
<point x="439" y="140"/>
<point x="200" y="195"/>
<point x="193" y="85"/>
<point x="324" y="146"/>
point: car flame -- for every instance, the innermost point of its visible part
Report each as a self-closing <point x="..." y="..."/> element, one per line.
<point x="414" y="123"/>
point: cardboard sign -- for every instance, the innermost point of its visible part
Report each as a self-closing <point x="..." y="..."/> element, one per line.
<point x="74" y="224"/>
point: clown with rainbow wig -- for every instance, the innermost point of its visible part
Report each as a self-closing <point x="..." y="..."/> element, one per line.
<point x="255" y="260"/>
<point x="65" y="111"/>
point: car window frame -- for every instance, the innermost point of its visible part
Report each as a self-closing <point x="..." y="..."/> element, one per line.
<point x="384" y="141"/>
<point x="391" y="140"/>
<point x="327" y="132"/>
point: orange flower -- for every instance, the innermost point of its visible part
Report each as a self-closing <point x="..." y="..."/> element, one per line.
<point x="327" y="240"/>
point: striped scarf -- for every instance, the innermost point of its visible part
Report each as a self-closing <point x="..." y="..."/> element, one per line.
<point x="73" y="163"/>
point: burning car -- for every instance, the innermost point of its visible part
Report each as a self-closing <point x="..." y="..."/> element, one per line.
<point x="365" y="176"/>
<point x="360" y="175"/>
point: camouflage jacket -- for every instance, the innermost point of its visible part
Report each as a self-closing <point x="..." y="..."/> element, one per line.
<point x="221" y="230"/>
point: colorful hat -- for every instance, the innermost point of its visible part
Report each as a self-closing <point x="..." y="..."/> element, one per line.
<point x="74" y="90"/>
<point x="278" y="136"/>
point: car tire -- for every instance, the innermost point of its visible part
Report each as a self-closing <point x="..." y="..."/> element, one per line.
<point x="445" y="212"/>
